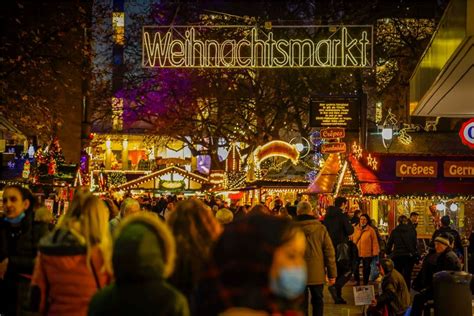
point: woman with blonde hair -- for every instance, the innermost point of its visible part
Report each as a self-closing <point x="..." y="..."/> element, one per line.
<point x="195" y="230"/>
<point x="74" y="261"/>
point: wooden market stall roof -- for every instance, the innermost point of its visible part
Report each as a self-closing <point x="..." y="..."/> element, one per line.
<point x="383" y="180"/>
<point x="157" y="174"/>
<point x="326" y="180"/>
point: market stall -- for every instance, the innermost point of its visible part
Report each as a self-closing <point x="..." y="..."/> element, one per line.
<point x="431" y="185"/>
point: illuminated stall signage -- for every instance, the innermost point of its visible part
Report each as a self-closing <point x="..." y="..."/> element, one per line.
<point x="459" y="169"/>
<point x="332" y="148"/>
<point x="417" y="169"/>
<point x="253" y="47"/>
<point x="217" y="176"/>
<point x="171" y="185"/>
<point x="335" y="113"/>
<point x="333" y="133"/>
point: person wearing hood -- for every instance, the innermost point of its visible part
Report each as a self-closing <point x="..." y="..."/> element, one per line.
<point x="395" y="297"/>
<point x="143" y="258"/>
<point x="339" y="228"/>
<point x="402" y="247"/>
<point x="73" y="262"/>
<point x="319" y="256"/>
<point x="19" y="237"/>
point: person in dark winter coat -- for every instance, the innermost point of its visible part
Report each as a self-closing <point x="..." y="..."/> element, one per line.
<point x="444" y="259"/>
<point x="402" y="247"/>
<point x="19" y="237"/>
<point x="395" y="294"/>
<point x="446" y="228"/>
<point x="143" y="257"/>
<point x="413" y="221"/>
<point x="339" y="228"/>
<point x="319" y="256"/>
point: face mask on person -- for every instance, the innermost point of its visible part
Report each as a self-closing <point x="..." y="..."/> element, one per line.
<point x="15" y="220"/>
<point x="289" y="283"/>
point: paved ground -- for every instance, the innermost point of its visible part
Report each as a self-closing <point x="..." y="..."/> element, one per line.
<point x="341" y="310"/>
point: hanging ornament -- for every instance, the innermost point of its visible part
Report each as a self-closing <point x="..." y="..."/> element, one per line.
<point x="52" y="167"/>
<point x="315" y="138"/>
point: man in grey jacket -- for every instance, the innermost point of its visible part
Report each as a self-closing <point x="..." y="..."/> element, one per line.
<point x="319" y="256"/>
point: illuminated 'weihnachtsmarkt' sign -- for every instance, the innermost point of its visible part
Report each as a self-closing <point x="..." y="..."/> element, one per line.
<point x="246" y="47"/>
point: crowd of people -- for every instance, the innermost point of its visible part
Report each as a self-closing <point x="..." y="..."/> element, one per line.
<point x="203" y="257"/>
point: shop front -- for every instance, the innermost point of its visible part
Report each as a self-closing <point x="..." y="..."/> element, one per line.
<point x="432" y="186"/>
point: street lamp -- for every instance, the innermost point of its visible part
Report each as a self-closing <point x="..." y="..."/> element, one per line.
<point x="387" y="137"/>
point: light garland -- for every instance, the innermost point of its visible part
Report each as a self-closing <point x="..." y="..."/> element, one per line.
<point x="340" y="178"/>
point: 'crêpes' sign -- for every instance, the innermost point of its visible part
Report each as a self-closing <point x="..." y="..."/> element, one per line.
<point x="335" y="113"/>
<point x="333" y="133"/>
<point x="255" y="47"/>
<point x="417" y="169"/>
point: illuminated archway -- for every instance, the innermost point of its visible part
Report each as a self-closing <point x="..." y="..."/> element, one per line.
<point x="276" y="148"/>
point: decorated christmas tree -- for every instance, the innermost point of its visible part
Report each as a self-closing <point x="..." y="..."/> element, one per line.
<point x="49" y="158"/>
<point x="55" y="152"/>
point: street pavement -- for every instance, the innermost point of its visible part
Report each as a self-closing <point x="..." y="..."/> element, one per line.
<point x="341" y="310"/>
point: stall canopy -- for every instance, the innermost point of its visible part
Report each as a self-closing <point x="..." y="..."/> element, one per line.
<point x="437" y="179"/>
<point x="326" y="180"/>
<point x="157" y="174"/>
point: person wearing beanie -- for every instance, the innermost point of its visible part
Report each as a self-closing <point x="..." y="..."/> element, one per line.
<point x="446" y="228"/>
<point x="443" y="259"/>
<point x="395" y="294"/>
<point x="143" y="258"/>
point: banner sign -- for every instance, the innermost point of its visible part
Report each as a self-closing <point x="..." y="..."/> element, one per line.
<point x="459" y="169"/>
<point x="417" y="169"/>
<point x="171" y="185"/>
<point x="333" y="133"/>
<point x="244" y="46"/>
<point x="335" y="113"/>
<point x="332" y="148"/>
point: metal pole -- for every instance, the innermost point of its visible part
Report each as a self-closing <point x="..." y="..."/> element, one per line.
<point x="465" y="244"/>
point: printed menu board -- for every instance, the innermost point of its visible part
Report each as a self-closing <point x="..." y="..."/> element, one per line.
<point x="335" y="113"/>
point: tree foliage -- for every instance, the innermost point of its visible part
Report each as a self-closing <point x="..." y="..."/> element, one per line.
<point x="40" y="63"/>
